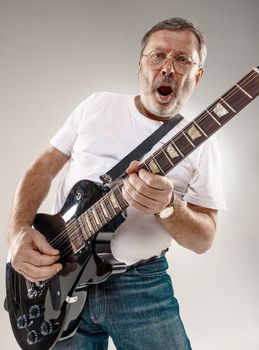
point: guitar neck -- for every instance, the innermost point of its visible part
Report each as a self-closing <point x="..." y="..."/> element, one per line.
<point x="204" y="125"/>
<point x="176" y="149"/>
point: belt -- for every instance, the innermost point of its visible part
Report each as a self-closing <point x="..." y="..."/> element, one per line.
<point x="146" y="261"/>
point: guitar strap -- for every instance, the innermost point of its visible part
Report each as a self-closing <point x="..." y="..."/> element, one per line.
<point x="119" y="169"/>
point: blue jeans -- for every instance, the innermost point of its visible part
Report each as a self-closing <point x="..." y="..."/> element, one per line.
<point x="137" y="309"/>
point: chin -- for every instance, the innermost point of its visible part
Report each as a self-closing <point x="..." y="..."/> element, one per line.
<point x="164" y="112"/>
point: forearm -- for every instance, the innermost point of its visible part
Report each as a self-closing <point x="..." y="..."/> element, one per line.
<point x="30" y="193"/>
<point x="34" y="187"/>
<point x="191" y="226"/>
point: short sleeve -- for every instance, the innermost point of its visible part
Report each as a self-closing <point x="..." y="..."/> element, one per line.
<point x="65" y="138"/>
<point x="205" y="187"/>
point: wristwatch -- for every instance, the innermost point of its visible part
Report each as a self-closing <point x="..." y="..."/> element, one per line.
<point x="168" y="210"/>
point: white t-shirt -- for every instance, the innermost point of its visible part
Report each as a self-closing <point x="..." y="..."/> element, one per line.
<point x="100" y="132"/>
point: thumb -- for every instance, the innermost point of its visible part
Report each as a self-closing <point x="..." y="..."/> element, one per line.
<point x="43" y="245"/>
<point x="133" y="167"/>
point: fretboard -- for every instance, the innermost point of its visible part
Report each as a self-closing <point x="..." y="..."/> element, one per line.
<point x="174" y="151"/>
<point x="204" y="125"/>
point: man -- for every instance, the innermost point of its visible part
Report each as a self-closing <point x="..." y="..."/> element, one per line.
<point x="137" y="309"/>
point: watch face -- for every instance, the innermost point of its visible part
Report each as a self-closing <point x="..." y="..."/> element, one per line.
<point x="165" y="213"/>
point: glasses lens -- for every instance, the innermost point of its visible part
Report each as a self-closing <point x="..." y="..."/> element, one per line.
<point x="157" y="60"/>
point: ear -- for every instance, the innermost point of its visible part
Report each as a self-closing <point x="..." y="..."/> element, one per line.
<point x="199" y="75"/>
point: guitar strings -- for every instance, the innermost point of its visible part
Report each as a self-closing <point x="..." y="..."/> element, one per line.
<point x="201" y="117"/>
<point x="232" y="93"/>
<point x="204" y="114"/>
<point x="71" y="231"/>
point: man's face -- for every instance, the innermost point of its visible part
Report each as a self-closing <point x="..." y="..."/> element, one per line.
<point x="166" y="102"/>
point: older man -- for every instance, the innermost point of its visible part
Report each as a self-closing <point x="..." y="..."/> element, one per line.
<point x="137" y="309"/>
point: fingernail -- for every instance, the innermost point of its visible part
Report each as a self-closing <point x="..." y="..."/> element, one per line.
<point x="59" y="268"/>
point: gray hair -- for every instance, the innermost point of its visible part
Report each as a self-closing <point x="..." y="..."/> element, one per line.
<point x="177" y="23"/>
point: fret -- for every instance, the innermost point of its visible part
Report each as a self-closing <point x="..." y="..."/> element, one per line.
<point x="187" y="138"/>
<point x="109" y="207"/>
<point x="199" y="128"/>
<point x="195" y="133"/>
<point x="89" y="223"/>
<point x="172" y="151"/>
<point x="84" y="229"/>
<point x="250" y="83"/>
<point x="114" y="202"/>
<point x="220" y="112"/>
<point x="245" y="92"/>
<point x="105" y="210"/>
<point x="144" y="166"/>
<point x="92" y="220"/>
<point x="100" y="214"/>
<point x="163" y="160"/>
<point x="96" y="217"/>
<point x="166" y="155"/>
<point x="206" y="110"/>
<point x="181" y="144"/>
<point x="155" y="167"/>
<point x="237" y="98"/>
<point x="76" y="240"/>
<point x="228" y="105"/>
<point x="207" y="123"/>
<point x="120" y="198"/>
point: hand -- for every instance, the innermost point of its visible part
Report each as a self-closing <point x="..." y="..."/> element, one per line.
<point x="147" y="192"/>
<point x="32" y="255"/>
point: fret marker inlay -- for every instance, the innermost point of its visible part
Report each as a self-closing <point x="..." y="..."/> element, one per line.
<point x="220" y="110"/>
<point x="114" y="201"/>
<point x="171" y="151"/>
<point x="194" y="133"/>
<point x="104" y="210"/>
<point x="153" y="167"/>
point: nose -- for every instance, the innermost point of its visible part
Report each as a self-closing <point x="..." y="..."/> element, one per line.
<point x="168" y="68"/>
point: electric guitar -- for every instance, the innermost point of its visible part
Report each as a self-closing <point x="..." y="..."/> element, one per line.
<point x="44" y="312"/>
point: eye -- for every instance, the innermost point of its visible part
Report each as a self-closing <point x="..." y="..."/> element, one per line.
<point x="183" y="60"/>
<point x="158" y="56"/>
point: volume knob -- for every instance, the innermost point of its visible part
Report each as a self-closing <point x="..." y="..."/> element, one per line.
<point x="33" y="337"/>
<point x="23" y="321"/>
<point x="49" y="327"/>
<point x="36" y="311"/>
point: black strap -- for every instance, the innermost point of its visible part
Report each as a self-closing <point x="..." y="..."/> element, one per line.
<point x="119" y="169"/>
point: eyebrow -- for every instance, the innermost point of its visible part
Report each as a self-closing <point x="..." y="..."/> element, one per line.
<point x="178" y="53"/>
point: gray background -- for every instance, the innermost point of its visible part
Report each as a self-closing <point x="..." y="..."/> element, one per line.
<point x="55" y="53"/>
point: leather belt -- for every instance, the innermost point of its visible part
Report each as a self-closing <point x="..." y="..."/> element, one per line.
<point x="146" y="261"/>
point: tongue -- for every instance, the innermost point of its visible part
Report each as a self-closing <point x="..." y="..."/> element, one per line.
<point x="164" y="90"/>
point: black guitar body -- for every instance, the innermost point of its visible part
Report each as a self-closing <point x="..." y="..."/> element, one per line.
<point x="43" y="312"/>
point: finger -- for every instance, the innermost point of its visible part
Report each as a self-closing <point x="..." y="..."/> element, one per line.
<point x="155" y="181"/>
<point x="39" y="273"/>
<point x="140" y="200"/>
<point x="134" y="203"/>
<point x="133" y="167"/>
<point x="142" y="187"/>
<point x="43" y="245"/>
<point x="39" y="259"/>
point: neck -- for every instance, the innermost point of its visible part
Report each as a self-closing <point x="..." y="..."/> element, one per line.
<point x="141" y="108"/>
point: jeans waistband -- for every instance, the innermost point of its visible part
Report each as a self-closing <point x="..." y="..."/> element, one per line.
<point x="146" y="261"/>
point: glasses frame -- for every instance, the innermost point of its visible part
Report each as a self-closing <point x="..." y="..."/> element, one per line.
<point x="167" y="58"/>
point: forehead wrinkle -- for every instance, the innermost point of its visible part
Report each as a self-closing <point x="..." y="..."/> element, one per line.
<point x="178" y="52"/>
<point x="175" y="41"/>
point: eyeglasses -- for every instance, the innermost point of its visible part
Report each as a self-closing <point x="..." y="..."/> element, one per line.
<point x="182" y="64"/>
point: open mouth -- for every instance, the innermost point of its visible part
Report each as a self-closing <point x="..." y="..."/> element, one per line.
<point x="165" y="90"/>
